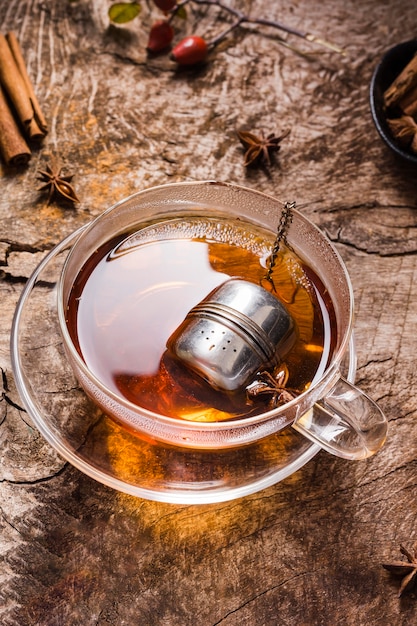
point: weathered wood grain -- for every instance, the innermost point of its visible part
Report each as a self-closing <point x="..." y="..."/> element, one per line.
<point x="307" y="551"/>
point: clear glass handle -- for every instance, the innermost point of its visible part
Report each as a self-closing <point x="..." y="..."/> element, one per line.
<point x="346" y="422"/>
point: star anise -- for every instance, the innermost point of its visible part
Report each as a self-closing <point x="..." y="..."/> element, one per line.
<point x="273" y="386"/>
<point x="258" y="147"/>
<point x="56" y="184"/>
<point x="407" y="570"/>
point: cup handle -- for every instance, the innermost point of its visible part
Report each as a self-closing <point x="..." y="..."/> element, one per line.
<point x="346" y="422"/>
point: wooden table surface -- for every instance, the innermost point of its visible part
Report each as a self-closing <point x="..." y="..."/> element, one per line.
<point x="308" y="550"/>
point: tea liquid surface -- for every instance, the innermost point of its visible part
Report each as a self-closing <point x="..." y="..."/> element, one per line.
<point x="137" y="289"/>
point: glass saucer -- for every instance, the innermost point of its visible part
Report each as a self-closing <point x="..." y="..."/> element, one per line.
<point x="110" y="454"/>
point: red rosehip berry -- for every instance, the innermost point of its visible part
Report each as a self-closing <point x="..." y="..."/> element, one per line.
<point x="165" y="5"/>
<point x="160" y="36"/>
<point x="190" y="51"/>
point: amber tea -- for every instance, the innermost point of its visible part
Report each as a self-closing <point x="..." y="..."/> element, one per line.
<point x="136" y="290"/>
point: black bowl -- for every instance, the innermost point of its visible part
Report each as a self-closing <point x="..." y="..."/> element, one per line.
<point x="386" y="71"/>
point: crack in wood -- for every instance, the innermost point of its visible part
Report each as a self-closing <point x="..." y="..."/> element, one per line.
<point x="36" y="481"/>
<point x="259" y="595"/>
<point x="5" y="391"/>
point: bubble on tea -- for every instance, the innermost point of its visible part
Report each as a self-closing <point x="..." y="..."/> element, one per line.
<point x="195" y="229"/>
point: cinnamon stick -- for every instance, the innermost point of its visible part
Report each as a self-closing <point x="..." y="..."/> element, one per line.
<point x="13" y="147"/>
<point x="408" y="104"/>
<point x="406" y="80"/>
<point x="404" y="130"/>
<point x="18" y="57"/>
<point x="15" y="87"/>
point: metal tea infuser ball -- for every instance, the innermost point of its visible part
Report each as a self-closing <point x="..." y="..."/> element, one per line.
<point x="237" y="329"/>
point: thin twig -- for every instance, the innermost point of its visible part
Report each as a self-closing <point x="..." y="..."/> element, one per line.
<point x="242" y="18"/>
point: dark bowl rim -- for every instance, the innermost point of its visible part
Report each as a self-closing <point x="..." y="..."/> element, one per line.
<point x="395" y="57"/>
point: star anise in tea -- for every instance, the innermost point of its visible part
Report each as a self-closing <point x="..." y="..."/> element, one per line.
<point x="56" y="184"/>
<point x="259" y="147"/>
<point x="272" y="387"/>
<point x="406" y="569"/>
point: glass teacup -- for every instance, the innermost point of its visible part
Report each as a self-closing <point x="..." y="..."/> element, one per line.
<point x="328" y="409"/>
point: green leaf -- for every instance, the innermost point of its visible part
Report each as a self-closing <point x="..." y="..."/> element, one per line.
<point x="123" y="12"/>
<point x="181" y="12"/>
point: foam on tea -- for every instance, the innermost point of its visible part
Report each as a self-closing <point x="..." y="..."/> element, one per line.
<point x="135" y="291"/>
